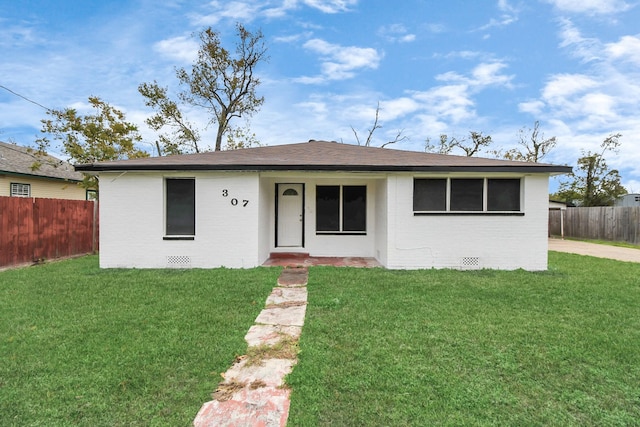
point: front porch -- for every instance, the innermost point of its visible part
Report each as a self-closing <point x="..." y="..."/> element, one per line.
<point x="296" y="259"/>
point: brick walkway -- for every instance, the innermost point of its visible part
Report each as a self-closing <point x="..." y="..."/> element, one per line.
<point x="252" y="393"/>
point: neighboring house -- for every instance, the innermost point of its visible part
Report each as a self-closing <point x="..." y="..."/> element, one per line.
<point x="407" y="209"/>
<point x="54" y="179"/>
<point x="628" y="200"/>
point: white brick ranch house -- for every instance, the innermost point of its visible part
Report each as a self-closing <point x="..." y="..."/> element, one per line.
<point x="407" y="209"/>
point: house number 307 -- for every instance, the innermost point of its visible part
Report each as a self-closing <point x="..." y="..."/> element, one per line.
<point x="234" y="201"/>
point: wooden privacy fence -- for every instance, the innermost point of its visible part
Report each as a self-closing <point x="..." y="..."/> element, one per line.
<point x="601" y="223"/>
<point x="33" y="230"/>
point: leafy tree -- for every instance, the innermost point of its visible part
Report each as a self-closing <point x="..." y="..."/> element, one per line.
<point x="444" y="146"/>
<point x="594" y="184"/>
<point x="532" y="146"/>
<point x="469" y="146"/>
<point x="241" y="137"/>
<point x="182" y="136"/>
<point x="103" y="136"/>
<point x="219" y="81"/>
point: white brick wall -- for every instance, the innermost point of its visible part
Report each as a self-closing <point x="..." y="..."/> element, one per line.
<point x="455" y="241"/>
<point x="132" y="222"/>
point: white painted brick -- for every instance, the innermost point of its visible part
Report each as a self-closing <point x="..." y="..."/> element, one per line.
<point x="132" y="224"/>
<point x="442" y="241"/>
<point x="132" y="221"/>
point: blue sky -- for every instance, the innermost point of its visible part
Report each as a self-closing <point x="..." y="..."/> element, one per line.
<point x="491" y="66"/>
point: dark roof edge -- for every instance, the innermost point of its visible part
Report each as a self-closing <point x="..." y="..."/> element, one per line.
<point x="29" y="175"/>
<point x="526" y="167"/>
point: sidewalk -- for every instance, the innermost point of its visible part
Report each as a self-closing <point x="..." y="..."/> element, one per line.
<point x="253" y="392"/>
<point x="594" y="249"/>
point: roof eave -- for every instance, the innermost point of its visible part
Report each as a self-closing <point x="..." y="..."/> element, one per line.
<point x="30" y="175"/>
<point x="525" y="168"/>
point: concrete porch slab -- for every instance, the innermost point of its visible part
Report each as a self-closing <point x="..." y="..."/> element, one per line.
<point x="283" y="261"/>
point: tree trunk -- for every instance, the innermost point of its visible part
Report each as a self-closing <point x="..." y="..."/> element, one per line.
<point x="219" y="138"/>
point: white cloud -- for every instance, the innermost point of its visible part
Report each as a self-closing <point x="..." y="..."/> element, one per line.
<point x="562" y="86"/>
<point x="331" y="6"/>
<point x="509" y="15"/>
<point x="397" y="33"/>
<point x="591" y="7"/>
<point x="340" y="62"/>
<point x="249" y="10"/>
<point x="451" y="102"/>
<point x="398" y="108"/>
<point x="484" y="74"/>
<point x="181" y="48"/>
<point x="292" y="38"/>
<point x="599" y="106"/>
<point x="534" y="107"/>
<point x="487" y="74"/>
<point x="280" y="10"/>
<point x="244" y="11"/>
<point x="587" y="49"/>
<point x="627" y="49"/>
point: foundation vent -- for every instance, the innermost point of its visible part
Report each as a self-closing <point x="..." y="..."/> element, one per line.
<point x="470" y="263"/>
<point x="178" y="261"/>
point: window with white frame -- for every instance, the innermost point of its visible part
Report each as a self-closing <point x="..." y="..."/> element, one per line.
<point x="341" y="209"/>
<point x="20" y="190"/>
<point x="492" y="195"/>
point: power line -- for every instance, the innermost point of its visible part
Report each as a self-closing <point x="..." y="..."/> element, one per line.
<point x="25" y="98"/>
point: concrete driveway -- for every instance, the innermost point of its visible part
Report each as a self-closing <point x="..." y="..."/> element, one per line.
<point x="593" y="249"/>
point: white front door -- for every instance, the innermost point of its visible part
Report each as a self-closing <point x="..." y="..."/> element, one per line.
<point x="290" y="218"/>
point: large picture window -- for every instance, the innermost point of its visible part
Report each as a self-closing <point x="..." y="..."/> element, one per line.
<point x="341" y="209"/>
<point x="435" y="195"/>
<point x="181" y="207"/>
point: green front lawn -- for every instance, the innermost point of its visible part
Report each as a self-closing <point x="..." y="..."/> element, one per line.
<point x="84" y="346"/>
<point x="399" y="348"/>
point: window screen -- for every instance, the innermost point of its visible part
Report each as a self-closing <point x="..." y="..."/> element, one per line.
<point x="503" y="194"/>
<point x="466" y="194"/>
<point x="181" y="207"/>
<point x="429" y="194"/>
<point x="328" y="208"/>
<point x="354" y="208"/>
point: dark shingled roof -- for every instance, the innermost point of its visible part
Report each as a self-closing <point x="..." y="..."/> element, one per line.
<point x="321" y="156"/>
<point x="17" y="160"/>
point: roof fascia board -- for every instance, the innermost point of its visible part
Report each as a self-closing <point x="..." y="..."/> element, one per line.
<point x="28" y="175"/>
<point x="528" y="168"/>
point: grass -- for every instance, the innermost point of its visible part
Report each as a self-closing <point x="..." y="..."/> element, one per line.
<point x="84" y="346"/>
<point x="438" y="347"/>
